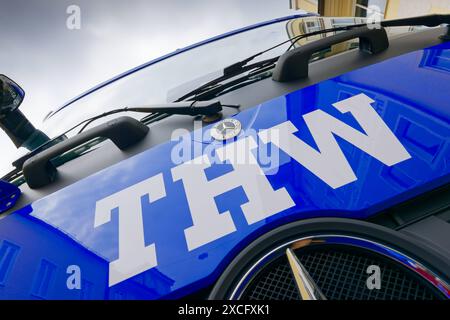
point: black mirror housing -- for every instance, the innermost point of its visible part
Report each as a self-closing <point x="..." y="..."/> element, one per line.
<point x="11" y="95"/>
<point x="21" y="132"/>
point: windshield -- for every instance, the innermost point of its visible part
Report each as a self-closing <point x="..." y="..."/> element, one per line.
<point x="163" y="81"/>
<point x="157" y="83"/>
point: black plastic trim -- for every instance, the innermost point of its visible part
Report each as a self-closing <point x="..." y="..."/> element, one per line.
<point x="123" y="132"/>
<point x="294" y="64"/>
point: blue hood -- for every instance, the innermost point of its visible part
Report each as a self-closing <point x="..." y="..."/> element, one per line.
<point x="409" y="93"/>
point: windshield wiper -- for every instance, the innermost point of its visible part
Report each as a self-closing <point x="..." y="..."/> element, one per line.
<point x="431" y="20"/>
<point x="194" y="108"/>
<point x="215" y="86"/>
<point x="229" y="72"/>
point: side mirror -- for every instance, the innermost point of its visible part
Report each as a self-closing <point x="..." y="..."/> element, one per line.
<point x="21" y="132"/>
<point x="11" y="95"/>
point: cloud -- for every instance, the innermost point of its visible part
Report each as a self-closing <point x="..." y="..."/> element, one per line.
<point x="54" y="64"/>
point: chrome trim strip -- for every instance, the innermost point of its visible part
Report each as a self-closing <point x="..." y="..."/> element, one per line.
<point x="306" y="286"/>
<point x="370" y="245"/>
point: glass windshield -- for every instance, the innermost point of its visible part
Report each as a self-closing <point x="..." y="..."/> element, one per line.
<point x="162" y="81"/>
<point x="159" y="82"/>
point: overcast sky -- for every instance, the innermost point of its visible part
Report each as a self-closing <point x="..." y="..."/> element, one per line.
<point x="53" y="63"/>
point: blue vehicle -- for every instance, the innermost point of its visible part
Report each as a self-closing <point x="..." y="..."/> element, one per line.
<point x="304" y="158"/>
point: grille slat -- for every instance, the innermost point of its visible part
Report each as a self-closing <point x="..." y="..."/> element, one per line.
<point x="341" y="275"/>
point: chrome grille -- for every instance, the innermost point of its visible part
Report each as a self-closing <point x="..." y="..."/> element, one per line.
<point x="340" y="272"/>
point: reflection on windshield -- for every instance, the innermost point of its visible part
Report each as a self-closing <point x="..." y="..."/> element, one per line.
<point x="168" y="79"/>
<point x="165" y="80"/>
<point x="152" y="84"/>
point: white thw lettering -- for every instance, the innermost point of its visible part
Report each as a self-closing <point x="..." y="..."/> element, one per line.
<point x="208" y="223"/>
<point x="330" y="164"/>
<point x="134" y="256"/>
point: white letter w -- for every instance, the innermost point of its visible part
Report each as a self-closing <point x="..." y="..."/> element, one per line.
<point x="329" y="163"/>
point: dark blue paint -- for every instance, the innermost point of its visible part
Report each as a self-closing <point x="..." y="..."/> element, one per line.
<point x="9" y="194"/>
<point x="411" y="96"/>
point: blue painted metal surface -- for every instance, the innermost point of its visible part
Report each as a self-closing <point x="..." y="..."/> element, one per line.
<point x="39" y="241"/>
<point x="9" y="194"/>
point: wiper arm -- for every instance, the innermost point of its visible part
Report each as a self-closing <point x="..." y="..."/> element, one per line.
<point x="230" y="72"/>
<point x="195" y="108"/>
<point x="431" y="20"/>
<point x="225" y="87"/>
<point x="182" y="108"/>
